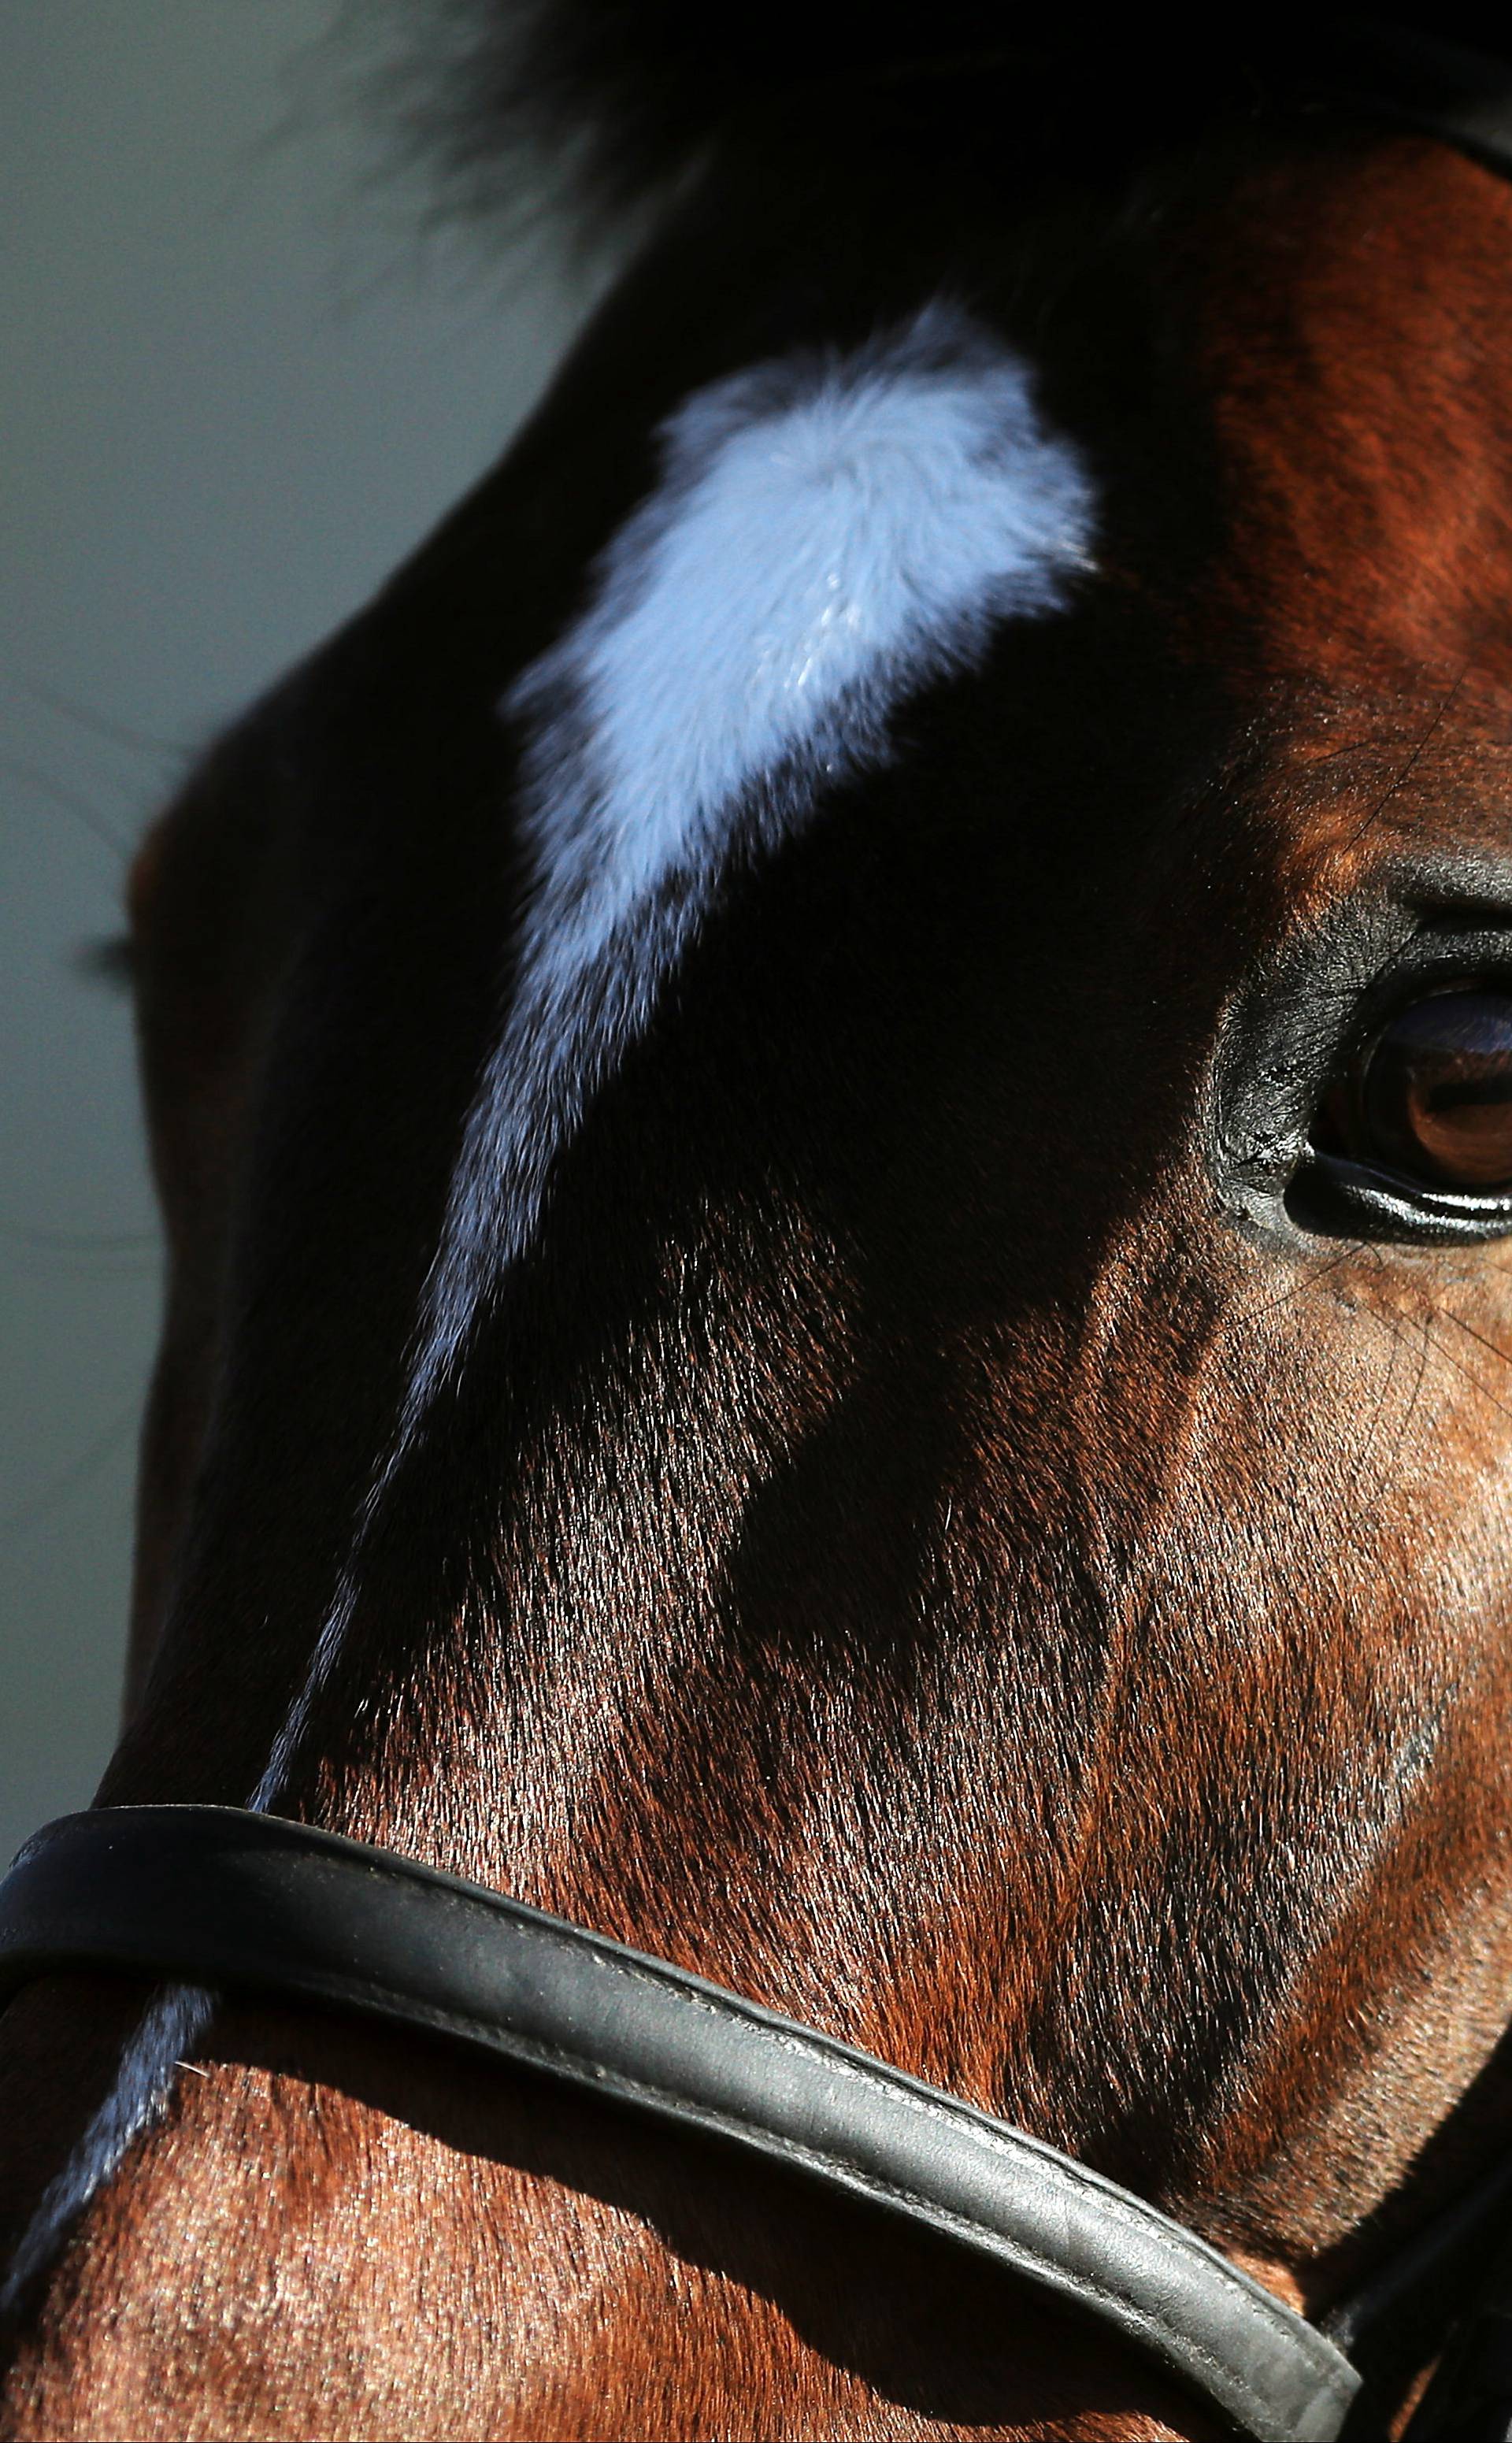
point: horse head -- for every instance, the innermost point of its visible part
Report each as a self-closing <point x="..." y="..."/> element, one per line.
<point x="831" y="1102"/>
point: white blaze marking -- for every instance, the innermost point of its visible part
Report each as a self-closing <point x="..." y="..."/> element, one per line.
<point x="828" y="535"/>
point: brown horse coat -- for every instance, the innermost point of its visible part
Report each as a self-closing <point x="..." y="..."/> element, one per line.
<point x="927" y="1535"/>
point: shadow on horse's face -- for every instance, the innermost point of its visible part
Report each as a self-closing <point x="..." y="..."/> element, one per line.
<point x="808" y="1187"/>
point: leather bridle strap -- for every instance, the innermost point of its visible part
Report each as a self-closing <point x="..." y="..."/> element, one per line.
<point x="247" y="1902"/>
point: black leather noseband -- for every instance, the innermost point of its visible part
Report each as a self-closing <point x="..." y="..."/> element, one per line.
<point x="251" y="1902"/>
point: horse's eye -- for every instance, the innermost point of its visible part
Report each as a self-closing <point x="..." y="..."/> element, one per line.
<point x="1431" y="1099"/>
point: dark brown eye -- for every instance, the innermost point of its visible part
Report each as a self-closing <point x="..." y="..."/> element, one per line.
<point x="1432" y="1097"/>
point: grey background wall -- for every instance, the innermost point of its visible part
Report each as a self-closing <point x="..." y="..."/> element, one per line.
<point x="235" y="386"/>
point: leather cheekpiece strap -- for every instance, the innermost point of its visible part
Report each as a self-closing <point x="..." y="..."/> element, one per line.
<point x="228" y="1899"/>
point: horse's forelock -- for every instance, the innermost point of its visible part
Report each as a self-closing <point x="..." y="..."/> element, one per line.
<point x="599" y="104"/>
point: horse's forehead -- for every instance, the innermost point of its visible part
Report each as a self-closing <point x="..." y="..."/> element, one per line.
<point x="825" y="537"/>
<point x="827" y="532"/>
<point x="828" y="535"/>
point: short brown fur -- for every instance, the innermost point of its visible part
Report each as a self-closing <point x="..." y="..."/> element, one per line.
<point x="908" y="1550"/>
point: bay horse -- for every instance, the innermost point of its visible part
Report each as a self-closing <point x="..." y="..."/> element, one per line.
<point x="834" y="1109"/>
